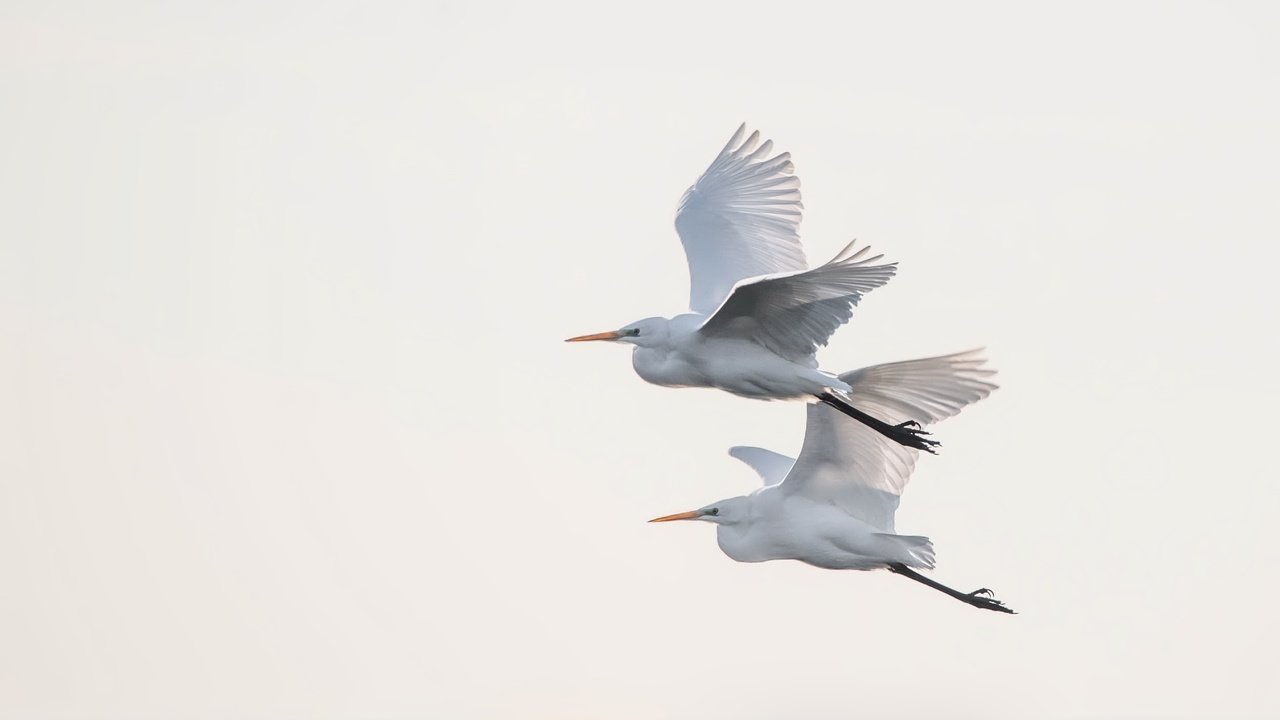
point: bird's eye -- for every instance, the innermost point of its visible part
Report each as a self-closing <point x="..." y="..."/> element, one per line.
<point x="633" y="332"/>
<point x="713" y="512"/>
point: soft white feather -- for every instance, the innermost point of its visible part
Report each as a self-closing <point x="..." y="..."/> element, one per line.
<point x="793" y="314"/>
<point x="772" y="467"/>
<point x="853" y="467"/>
<point x="740" y="219"/>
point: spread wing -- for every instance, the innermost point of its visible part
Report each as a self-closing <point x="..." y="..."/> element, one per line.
<point x="847" y="464"/>
<point x="772" y="467"/>
<point x="739" y="220"/>
<point x="793" y="314"/>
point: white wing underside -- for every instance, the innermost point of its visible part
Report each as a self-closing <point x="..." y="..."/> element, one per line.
<point x="847" y="464"/>
<point x="740" y="219"/>
<point x="793" y="314"/>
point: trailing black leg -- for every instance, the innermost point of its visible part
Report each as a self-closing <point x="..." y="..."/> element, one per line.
<point x="980" y="598"/>
<point x="907" y="433"/>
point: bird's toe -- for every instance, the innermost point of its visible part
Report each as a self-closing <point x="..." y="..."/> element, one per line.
<point x="990" y="603"/>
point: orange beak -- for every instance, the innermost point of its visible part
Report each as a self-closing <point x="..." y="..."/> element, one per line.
<point x="611" y="335"/>
<point x="691" y="515"/>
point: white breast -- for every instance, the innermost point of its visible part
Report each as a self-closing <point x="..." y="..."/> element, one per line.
<point x="742" y="545"/>
<point x="666" y="368"/>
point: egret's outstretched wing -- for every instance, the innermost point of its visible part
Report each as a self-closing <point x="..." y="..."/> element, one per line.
<point x="739" y="220"/>
<point x="854" y="467"/>
<point x="793" y="314"/>
<point x="772" y="467"/>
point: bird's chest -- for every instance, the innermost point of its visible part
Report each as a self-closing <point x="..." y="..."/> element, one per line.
<point x="756" y="542"/>
<point x="664" y="367"/>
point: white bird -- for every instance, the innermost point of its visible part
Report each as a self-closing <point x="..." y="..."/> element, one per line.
<point x="757" y="313"/>
<point x="834" y="506"/>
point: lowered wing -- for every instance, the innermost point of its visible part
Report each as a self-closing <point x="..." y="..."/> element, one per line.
<point x="793" y="314"/>
<point x="855" y="468"/>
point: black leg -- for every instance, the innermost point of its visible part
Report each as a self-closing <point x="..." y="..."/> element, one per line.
<point x="980" y="598"/>
<point x="907" y="433"/>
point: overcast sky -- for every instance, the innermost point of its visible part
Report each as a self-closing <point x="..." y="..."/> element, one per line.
<point x="287" y="429"/>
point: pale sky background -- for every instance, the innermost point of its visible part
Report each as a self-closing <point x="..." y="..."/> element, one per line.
<point x="287" y="429"/>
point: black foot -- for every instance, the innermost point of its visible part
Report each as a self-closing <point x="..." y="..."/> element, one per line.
<point x="982" y="598"/>
<point x="907" y="433"/>
<point x="910" y="434"/>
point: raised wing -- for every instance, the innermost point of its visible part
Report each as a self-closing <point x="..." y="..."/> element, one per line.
<point x="852" y="466"/>
<point x="793" y="314"/>
<point x="740" y="219"/>
<point x="772" y="467"/>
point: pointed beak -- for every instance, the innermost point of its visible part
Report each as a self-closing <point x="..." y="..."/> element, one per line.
<point x="691" y="515"/>
<point x="612" y="335"/>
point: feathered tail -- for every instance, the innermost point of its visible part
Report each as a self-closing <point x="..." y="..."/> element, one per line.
<point x="910" y="550"/>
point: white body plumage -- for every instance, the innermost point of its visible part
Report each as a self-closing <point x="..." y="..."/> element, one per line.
<point x="778" y="526"/>
<point x="684" y="357"/>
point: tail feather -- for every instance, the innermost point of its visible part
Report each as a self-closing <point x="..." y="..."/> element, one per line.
<point x="831" y="381"/>
<point x="912" y="550"/>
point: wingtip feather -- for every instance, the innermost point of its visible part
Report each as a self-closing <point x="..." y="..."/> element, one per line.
<point x="734" y="141"/>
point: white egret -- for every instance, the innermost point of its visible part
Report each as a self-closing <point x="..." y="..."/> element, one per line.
<point x="834" y="506"/>
<point x="758" y="314"/>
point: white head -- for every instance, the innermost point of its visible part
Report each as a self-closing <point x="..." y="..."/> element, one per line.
<point x="730" y="511"/>
<point x="649" y="332"/>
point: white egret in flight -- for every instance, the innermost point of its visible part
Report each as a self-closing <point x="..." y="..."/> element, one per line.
<point x="757" y="312"/>
<point x="833" y="507"/>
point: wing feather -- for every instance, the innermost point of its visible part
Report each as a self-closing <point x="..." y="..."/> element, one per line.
<point x="847" y="464"/>
<point x="793" y="314"/>
<point x="740" y="219"/>
<point x="772" y="467"/>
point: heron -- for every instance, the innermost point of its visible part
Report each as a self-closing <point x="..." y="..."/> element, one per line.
<point x="757" y="312"/>
<point x="833" y="506"/>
